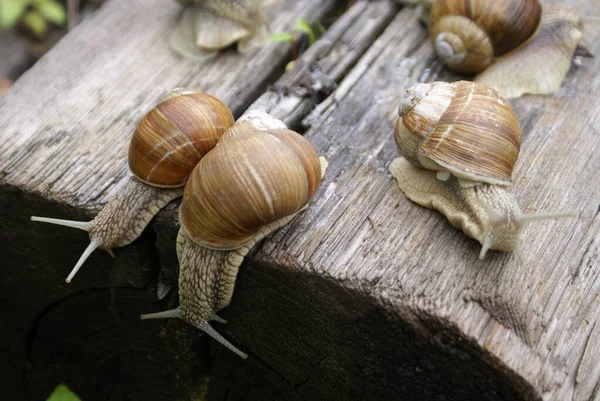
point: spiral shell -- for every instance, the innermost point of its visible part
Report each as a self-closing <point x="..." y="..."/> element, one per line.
<point x="172" y="137"/>
<point x="207" y="26"/>
<point x="253" y="177"/>
<point x="468" y="34"/>
<point x="463" y="128"/>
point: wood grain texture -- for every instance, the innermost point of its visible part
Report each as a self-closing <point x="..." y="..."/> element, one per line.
<point x="534" y="323"/>
<point x="293" y="95"/>
<point x="324" y="64"/>
<point x="93" y="98"/>
<point x="64" y="132"/>
<point x="364" y="296"/>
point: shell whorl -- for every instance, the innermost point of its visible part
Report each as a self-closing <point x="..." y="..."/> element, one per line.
<point x="172" y="137"/>
<point x="464" y="128"/>
<point x="253" y="177"/>
<point x="419" y="111"/>
<point x="468" y="34"/>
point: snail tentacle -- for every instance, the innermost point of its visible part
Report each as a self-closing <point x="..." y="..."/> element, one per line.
<point x="94" y="244"/>
<point x="165" y="147"/>
<point x="167" y="314"/>
<point x="202" y="325"/>
<point x="81" y="225"/>
<point x="487" y="213"/>
<point x="207" y="276"/>
<point x="122" y="220"/>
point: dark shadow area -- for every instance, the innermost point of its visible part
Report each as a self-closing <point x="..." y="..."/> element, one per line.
<point x="86" y="334"/>
<point x="308" y="337"/>
<point x="311" y="339"/>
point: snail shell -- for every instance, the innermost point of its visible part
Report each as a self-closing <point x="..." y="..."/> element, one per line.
<point x="464" y="128"/>
<point x="172" y="137"/>
<point x="251" y="178"/>
<point x="468" y="34"/>
<point x="255" y="181"/>
<point x="207" y="26"/>
<point x="166" y="146"/>
<point x="460" y="142"/>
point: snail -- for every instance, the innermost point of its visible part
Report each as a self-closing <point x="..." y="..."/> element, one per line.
<point x="460" y="142"/>
<point x="207" y="26"/>
<point x="515" y="46"/>
<point x="167" y="144"/>
<point x="257" y="178"/>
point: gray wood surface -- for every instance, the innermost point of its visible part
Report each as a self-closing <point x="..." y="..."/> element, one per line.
<point x="535" y="322"/>
<point x="364" y="296"/>
<point x="64" y="132"/>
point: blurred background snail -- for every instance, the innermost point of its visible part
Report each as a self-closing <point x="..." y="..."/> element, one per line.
<point x="166" y="146"/>
<point x="515" y="46"/>
<point x="257" y="178"/>
<point x="207" y="26"/>
<point x="460" y="142"/>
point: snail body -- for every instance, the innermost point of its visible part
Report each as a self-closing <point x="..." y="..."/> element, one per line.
<point x="539" y="65"/>
<point x="207" y="26"/>
<point x="164" y="149"/>
<point x="255" y="181"/>
<point x="460" y="142"/>
<point x="527" y="47"/>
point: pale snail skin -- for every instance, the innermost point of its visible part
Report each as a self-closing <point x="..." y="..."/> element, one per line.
<point x="466" y="187"/>
<point x="514" y="46"/>
<point x="183" y="126"/>
<point x="207" y="26"/>
<point x="209" y="263"/>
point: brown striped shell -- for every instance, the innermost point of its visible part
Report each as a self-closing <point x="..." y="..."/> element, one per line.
<point x="464" y="128"/>
<point x="172" y="137"/>
<point x="252" y="178"/>
<point x="468" y="34"/>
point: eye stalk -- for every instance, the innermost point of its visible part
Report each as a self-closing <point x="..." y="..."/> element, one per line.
<point x="460" y="142"/>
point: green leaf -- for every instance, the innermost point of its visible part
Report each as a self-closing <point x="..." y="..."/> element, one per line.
<point x="52" y="11"/>
<point x="318" y="29"/>
<point x="11" y="11"/>
<point x="305" y="27"/>
<point x="282" y="37"/>
<point x="35" y="22"/>
<point x="62" y="393"/>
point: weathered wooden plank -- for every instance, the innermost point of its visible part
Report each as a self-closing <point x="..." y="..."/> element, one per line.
<point x="531" y="328"/>
<point x="121" y="68"/>
<point x="342" y="305"/>
<point x="64" y="129"/>
<point x="319" y="68"/>
<point x="325" y="63"/>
